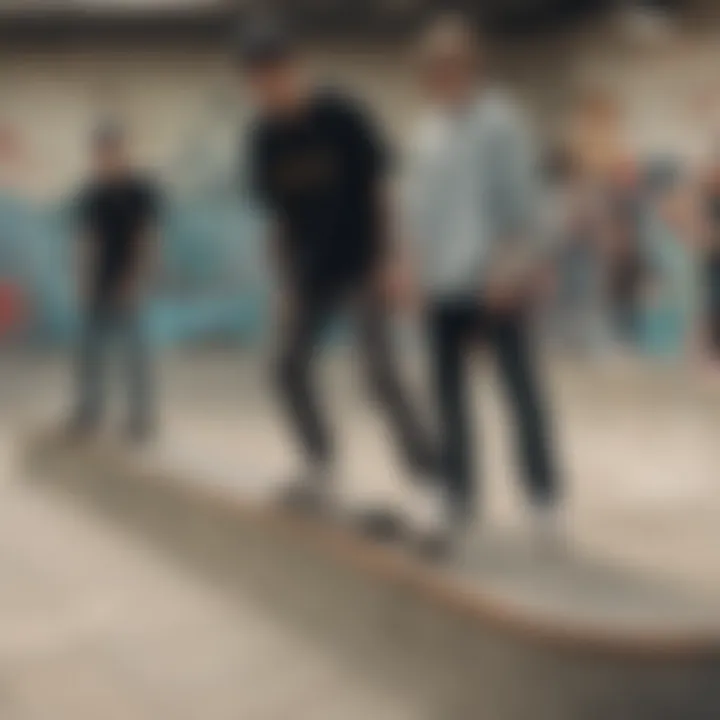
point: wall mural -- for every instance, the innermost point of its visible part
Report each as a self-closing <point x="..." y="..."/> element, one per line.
<point x="211" y="285"/>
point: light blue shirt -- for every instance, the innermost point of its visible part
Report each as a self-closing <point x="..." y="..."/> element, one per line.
<point x="471" y="193"/>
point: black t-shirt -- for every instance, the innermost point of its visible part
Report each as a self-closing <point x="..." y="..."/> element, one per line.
<point x="115" y="217"/>
<point x="712" y="260"/>
<point x="317" y="174"/>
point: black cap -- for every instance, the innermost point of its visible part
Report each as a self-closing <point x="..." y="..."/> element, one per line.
<point x="264" y="42"/>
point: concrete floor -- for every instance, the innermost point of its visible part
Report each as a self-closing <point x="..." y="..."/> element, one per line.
<point x="94" y="624"/>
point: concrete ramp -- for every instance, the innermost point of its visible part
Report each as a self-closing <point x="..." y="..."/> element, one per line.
<point x="503" y="634"/>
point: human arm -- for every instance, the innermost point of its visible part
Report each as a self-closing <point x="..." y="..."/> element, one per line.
<point x="516" y="242"/>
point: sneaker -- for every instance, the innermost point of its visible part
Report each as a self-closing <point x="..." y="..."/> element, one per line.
<point x="139" y="434"/>
<point x="314" y="492"/>
<point x="78" y="428"/>
<point x="434" y="520"/>
<point x="380" y="524"/>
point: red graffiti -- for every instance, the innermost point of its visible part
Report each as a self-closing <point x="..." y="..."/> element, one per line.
<point x="12" y="308"/>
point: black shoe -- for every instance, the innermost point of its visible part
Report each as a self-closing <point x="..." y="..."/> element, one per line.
<point x="381" y="525"/>
<point x="313" y="494"/>
<point x="79" y="428"/>
<point x="441" y="542"/>
<point x="140" y="434"/>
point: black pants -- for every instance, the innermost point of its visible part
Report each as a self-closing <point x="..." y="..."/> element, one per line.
<point x="300" y="337"/>
<point x="455" y="325"/>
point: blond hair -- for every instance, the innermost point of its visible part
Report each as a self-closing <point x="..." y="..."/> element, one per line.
<point x="449" y="35"/>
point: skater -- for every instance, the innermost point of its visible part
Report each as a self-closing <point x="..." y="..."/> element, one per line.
<point x="471" y="191"/>
<point x="319" y="166"/>
<point x="117" y="236"/>
<point x="712" y="262"/>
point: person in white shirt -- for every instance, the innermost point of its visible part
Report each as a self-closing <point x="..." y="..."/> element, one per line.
<point x="472" y="192"/>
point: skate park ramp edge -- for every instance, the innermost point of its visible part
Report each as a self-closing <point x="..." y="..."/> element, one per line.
<point x="467" y="652"/>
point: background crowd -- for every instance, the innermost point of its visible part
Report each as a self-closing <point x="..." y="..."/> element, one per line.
<point x="635" y="243"/>
<point x="633" y="233"/>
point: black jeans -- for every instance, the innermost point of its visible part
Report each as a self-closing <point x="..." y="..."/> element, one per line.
<point x="299" y="341"/>
<point x="100" y="321"/>
<point x="455" y="325"/>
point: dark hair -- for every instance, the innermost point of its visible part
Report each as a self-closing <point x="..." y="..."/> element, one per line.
<point x="108" y="134"/>
<point x="560" y="164"/>
<point x="449" y="28"/>
<point x="264" y="42"/>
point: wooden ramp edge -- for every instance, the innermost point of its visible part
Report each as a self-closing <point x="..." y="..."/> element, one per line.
<point x="397" y="618"/>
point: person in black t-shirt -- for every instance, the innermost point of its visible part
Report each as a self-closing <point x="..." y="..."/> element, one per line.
<point x="712" y="264"/>
<point x="318" y="166"/>
<point x="116" y="216"/>
<point x="319" y="171"/>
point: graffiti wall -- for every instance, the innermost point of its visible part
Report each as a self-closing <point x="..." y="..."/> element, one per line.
<point x="182" y="107"/>
<point x="209" y="286"/>
<point x="210" y="283"/>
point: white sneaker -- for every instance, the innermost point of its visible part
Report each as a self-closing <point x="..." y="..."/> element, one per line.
<point x="548" y="527"/>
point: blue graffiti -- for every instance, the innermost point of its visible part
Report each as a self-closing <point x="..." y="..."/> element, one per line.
<point x="210" y="285"/>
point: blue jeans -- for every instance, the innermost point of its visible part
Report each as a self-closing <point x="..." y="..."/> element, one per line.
<point x="101" y="321"/>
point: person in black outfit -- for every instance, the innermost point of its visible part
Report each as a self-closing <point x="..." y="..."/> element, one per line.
<point x="712" y="270"/>
<point x="117" y="217"/>
<point x="625" y="265"/>
<point x="318" y="165"/>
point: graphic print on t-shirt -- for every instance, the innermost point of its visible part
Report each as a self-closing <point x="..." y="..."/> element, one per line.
<point x="317" y="174"/>
<point x="115" y="216"/>
<point x="307" y="171"/>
